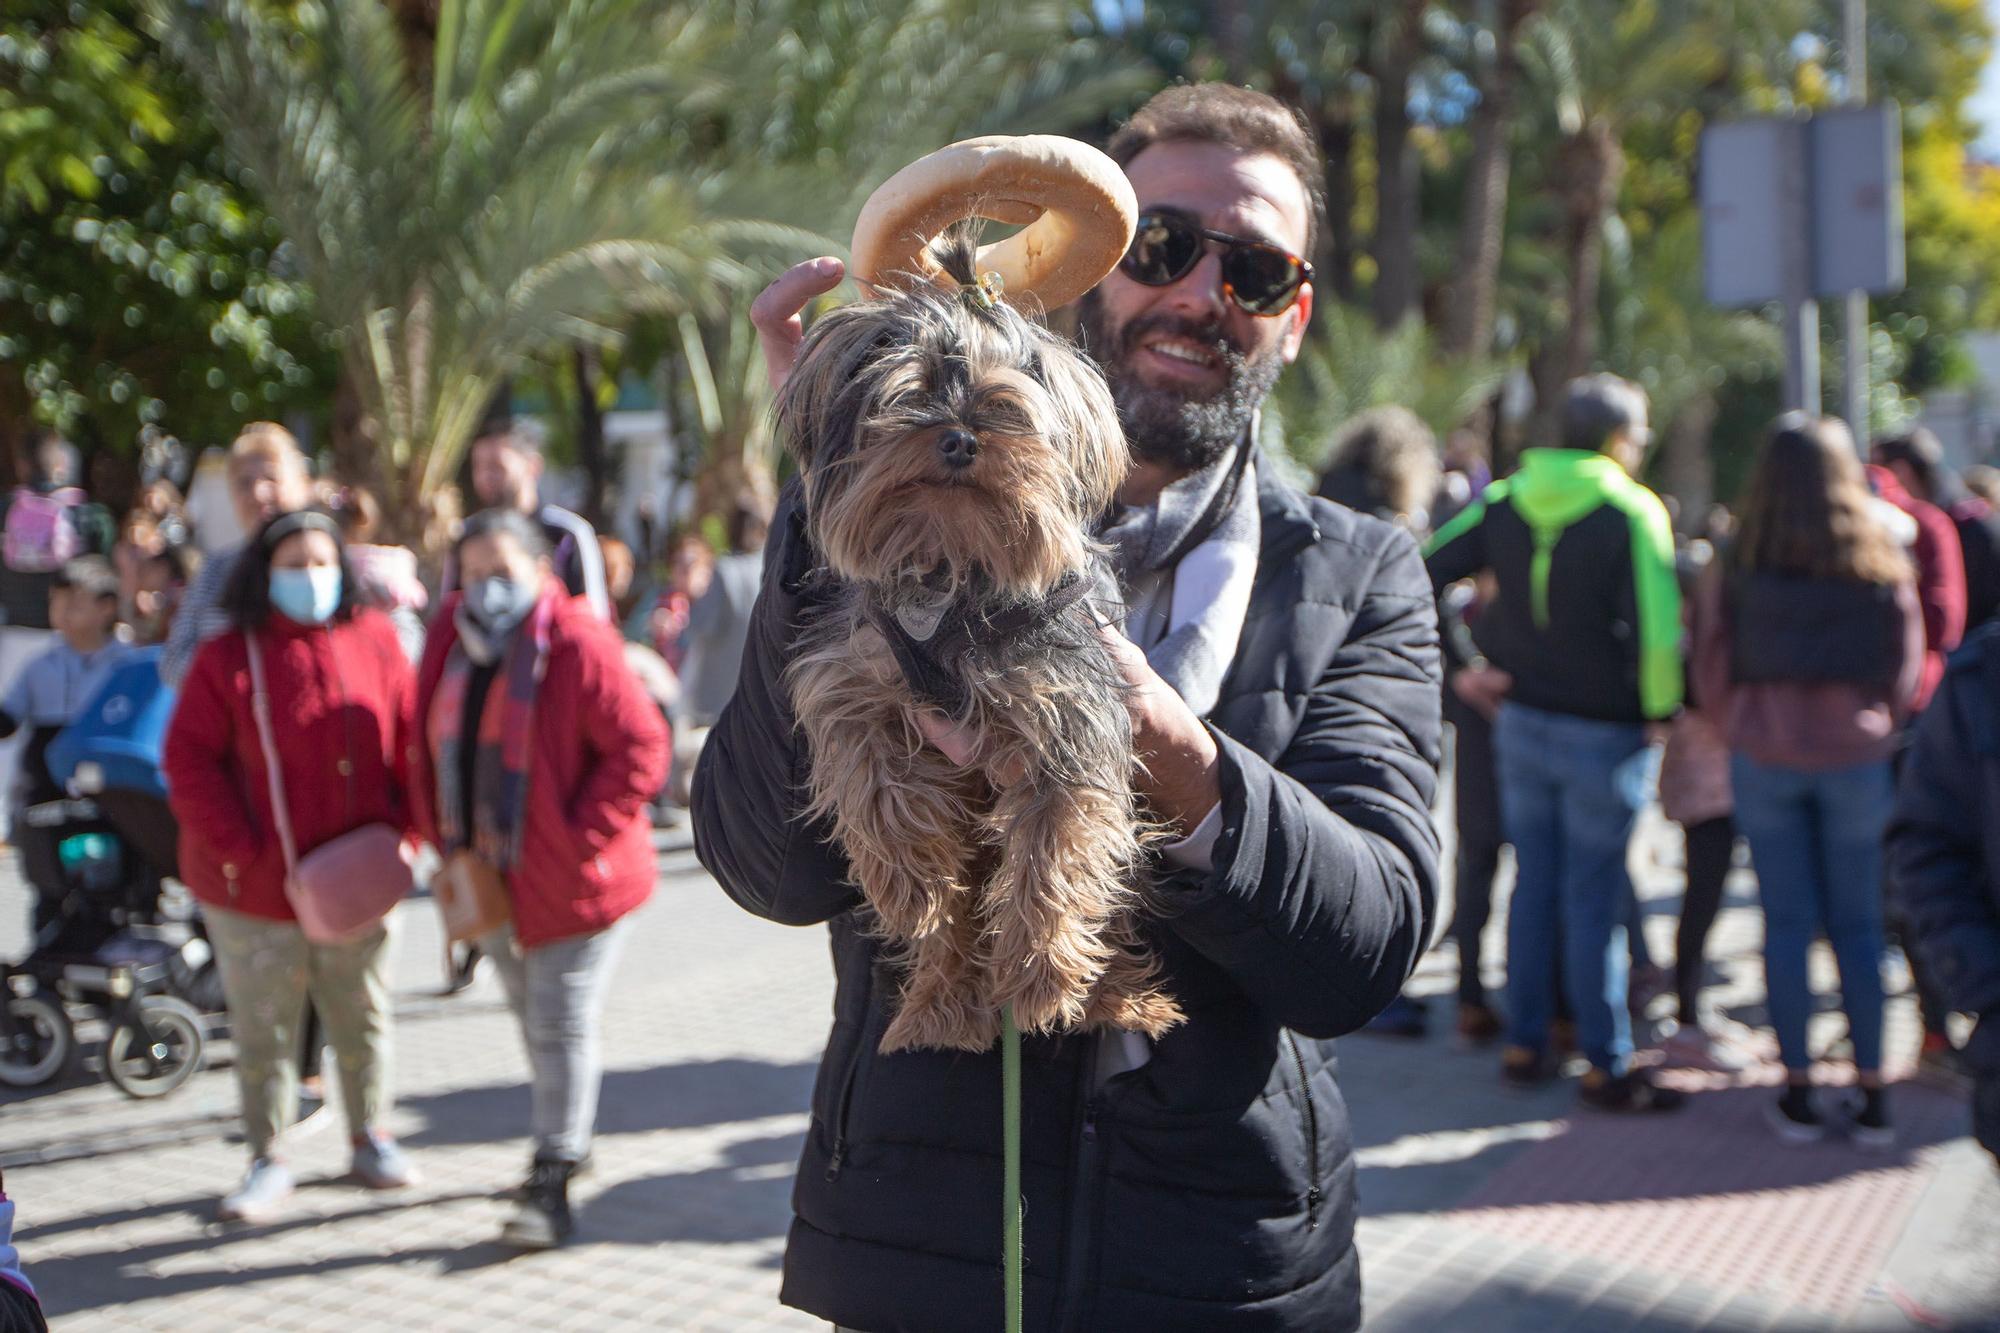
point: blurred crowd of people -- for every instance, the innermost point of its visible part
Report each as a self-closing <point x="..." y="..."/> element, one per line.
<point x="1770" y="680"/>
<point x="510" y="712"/>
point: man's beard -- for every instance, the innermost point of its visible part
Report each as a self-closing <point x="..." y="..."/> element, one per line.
<point x="1166" y="425"/>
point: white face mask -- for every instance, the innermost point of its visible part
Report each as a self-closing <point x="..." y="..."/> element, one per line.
<point x="498" y="603"/>
<point x="308" y="596"/>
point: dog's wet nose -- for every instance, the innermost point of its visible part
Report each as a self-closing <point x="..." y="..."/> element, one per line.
<point x="958" y="448"/>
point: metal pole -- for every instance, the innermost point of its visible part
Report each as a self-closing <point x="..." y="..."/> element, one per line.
<point x="1802" y="387"/>
<point x="1854" y="347"/>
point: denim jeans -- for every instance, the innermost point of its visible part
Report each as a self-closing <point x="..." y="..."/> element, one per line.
<point x="1816" y="840"/>
<point x="557" y="993"/>
<point x="1569" y="824"/>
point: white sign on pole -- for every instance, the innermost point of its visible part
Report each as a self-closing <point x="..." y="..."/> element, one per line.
<point x="1857" y="200"/>
<point x="1851" y="228"/>
<point x="1743" y="234"/>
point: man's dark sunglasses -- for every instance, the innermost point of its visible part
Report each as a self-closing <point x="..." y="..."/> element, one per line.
<point x="1263" y="279"/>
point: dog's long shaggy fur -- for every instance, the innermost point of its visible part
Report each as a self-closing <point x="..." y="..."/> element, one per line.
<point x="1017" y="893"/>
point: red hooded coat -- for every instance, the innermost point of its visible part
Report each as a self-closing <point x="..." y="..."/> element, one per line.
<point x="599" y="755"/>
<point x="341" y="709"/>
<point x="1940" y="561"/>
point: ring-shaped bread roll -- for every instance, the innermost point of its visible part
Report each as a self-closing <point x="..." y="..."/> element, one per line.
<point x="1078" y="208"/>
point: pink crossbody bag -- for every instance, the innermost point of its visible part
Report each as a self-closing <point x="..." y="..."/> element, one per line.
<point x="342" y="889"/>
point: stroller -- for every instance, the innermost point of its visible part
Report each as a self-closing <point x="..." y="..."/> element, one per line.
<point x="120" y="945"/>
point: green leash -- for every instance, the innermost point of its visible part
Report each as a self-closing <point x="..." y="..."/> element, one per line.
<point x="1010" y="1149"/>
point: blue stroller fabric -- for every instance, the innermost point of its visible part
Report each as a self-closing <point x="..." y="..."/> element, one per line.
<point x="122" y="729"/>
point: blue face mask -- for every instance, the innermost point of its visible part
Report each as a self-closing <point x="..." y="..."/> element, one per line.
<point x="308" y="596"/>
<point x="498" y="603"/>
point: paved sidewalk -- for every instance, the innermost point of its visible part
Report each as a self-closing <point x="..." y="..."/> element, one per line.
<point x="1483" y="1210"/>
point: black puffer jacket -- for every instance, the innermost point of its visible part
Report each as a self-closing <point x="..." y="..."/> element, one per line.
<point x="1213" y="1187"/>
<point x="1943" y="853"/>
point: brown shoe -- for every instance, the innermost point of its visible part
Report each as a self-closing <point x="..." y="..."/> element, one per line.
<point x="1523" y="1068"/>
<point x="1478" y="1025"/>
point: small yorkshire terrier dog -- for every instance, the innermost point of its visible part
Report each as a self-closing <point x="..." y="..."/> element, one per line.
<point x="954" y="454"/>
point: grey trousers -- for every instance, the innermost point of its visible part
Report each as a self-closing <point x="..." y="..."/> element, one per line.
<point x="267" y="967"/>
<point x="557" y="992"/>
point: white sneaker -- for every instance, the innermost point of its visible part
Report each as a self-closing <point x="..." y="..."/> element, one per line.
<point x="379" y="1163"/>
<point x="266" y="1186"/>
<point x="1868" y="1129"/>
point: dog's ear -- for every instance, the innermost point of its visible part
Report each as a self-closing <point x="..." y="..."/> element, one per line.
<point x="820" y="409"/>
<point x="1085" y="412"/>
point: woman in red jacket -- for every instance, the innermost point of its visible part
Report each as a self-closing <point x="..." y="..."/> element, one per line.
<point x="341" y="697"/>
<point x="539" y="753"/>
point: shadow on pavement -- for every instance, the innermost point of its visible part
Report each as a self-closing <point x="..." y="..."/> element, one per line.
<point x="1510" y="1303"/>
<point x="1434" y="1131"/>
<point x="634" y="1101"/>
<point x="1719" y="1145"/>
<point x="96" y="1281"/>
<point x="746" y="1198"/>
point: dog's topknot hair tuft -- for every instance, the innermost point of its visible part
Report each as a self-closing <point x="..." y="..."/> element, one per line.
<point x="956" y="252"/>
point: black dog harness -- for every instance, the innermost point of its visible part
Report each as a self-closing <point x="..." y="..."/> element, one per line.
<point x="932" y="646"/>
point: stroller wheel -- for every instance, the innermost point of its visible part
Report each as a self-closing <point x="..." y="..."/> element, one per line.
<point x="42" y="1044"/>
<point x="156" y="1049"/>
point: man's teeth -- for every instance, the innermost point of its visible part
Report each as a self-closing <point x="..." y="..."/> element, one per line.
<point x="1193" y="353"/>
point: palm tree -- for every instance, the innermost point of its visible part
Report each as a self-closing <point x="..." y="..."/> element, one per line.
<point x="1664" y="335"/>
<point x="1496" y="69"/>
<point x="1601" y="70"/>
<point x="453" y="220"/>
<point x="1353" y="365"/>
<point x="1396" y="46"/>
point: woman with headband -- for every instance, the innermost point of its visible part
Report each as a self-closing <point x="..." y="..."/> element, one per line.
<point x="296" y="863"/>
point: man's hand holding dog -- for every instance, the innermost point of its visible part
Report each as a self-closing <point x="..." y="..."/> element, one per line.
<point x="1180" y="769"/>
<point x="778" y="312"/>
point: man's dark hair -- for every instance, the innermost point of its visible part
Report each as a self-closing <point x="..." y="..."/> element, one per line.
<point x="1919" y="450"/>
<point x="516" y="433"/>
<point x="1596" y="407"/>
<point x="91" y="575"/>
<point x="749" y="522"/>
<point x="1239" y="118"/>
<point x="247" y="598"/>
<point x="503" y="522"/>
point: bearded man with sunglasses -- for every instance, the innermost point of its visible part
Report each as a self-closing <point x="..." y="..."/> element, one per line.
<point x="1282" y="656"/>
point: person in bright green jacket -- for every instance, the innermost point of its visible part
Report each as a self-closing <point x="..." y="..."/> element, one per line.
<point x="1586" y="628"/>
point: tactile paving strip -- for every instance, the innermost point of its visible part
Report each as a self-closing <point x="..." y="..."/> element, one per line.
<point x="1678" y="1193"/>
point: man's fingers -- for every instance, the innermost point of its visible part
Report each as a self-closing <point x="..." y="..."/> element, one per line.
<point x="776" y="311"/>
<point x="1124" y="652"/>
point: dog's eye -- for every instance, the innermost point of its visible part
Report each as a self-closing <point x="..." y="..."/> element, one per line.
<point x="1003" y="416"/>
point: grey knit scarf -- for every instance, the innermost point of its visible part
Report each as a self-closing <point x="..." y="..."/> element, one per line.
<point x="1188" y="562"/>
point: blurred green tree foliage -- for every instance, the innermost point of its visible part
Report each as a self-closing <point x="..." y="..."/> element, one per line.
<point x="140" y="284"/>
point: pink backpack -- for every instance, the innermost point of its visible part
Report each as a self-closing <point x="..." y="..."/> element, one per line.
<point x="41" y="530"/>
